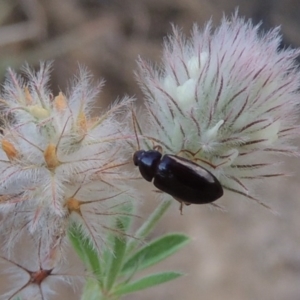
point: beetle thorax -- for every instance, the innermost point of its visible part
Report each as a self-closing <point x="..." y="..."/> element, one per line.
<point x="147" y="161"/>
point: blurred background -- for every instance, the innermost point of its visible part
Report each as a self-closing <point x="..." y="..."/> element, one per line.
<point x="246" y="253"/>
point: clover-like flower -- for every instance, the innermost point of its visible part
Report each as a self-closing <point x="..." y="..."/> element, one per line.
<point x="226" y="99"/>
<point x="59" y="165"/>
<point x="30" y="273"/>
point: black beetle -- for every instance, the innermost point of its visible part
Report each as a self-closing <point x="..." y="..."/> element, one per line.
<point x="181" y="178"/>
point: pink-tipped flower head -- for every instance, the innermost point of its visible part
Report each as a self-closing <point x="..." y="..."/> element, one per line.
<point x="59" y="165"/>
<point x="225" y="99"/>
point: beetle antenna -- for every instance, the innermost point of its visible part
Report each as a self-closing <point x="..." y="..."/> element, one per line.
<point x="135" y="124"/>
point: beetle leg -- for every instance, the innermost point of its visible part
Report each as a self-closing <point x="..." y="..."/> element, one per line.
<point x="158" y="148"/>
<point x="185" y="151"/>
<point x="182" y="203"/>
<point x="180" y="208"/>
<point x="219" y="207"/>
<point x="195" y="159"/>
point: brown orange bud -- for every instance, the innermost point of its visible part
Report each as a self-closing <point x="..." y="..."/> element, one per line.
<point x="28" y="96"/>
<point x="60" y="102"/>
<point x="9" y="149"/>
<point x="51" y="157"/>
<point x="82" y="122"/>
<point x="73" y="205"/>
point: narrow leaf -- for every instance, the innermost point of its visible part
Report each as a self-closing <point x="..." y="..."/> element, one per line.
<point x="148" y="226"/>
<point x="127" y="218"/>
<point x="155" y="252"/>
<point x="85" y="251"/>
<point x="91" y="290"/>
<point x="147" y="282"/>
<point x="116" y="258"/>
<point x="124" y="225"/>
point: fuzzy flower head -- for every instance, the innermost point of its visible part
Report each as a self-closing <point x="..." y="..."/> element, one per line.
<point x="30" y="274"/>
<point x="225" y="99"/>
<point x="59" y="165"/>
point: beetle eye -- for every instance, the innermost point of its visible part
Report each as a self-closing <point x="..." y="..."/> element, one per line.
<point x="137" y="157"/>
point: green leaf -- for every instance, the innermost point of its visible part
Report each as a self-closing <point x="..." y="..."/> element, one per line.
<point x="116" y="258"/>
<point x="155" y="252"/>
<point x="92" y="290"/>
<point x="127" y="218"/>
<point x="149" y="224"/>
<point x="125" y="221"/>
<point x="85" y="250"/>
<point x="147" y="282"/>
